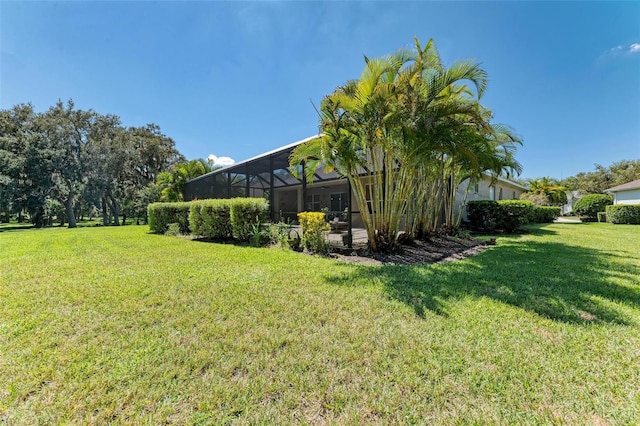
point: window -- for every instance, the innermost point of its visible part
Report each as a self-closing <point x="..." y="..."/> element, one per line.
<point x="513" y="197"/>
<point x="492" y="193"/>
<point x="313" y="202"/>
<point x="500" y="194"/>
<point x="476" y="188"/>
<point x="339" y="202"/>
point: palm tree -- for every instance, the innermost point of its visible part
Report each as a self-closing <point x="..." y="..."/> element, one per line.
<point x="171" y="183"/>
<point x="404" y="134"/>
<point x="555" y="193"/>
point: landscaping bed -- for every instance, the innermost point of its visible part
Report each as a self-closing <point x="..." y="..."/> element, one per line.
<point x="437" y="249"/>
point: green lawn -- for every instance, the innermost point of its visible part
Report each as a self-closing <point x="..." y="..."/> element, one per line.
<point x="102" y="325"/>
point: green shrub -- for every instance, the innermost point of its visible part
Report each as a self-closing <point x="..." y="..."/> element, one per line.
<point x="211" y="219"/>
<point x="508" y="215"/>
<point x="173" y="230"/>
<point x="483" y="214"/>
<point x="244" y="214"/>
<point x="162" y="214"/>
<point x="515" y="213"/>
<point x="314" y="229"/>
<point x="588" y="206"/>
<point x="602" y="216"/>
<point x="536" y="198"/>
<point x="195" y="218"/>
<point x="278" y="234"/>
<point x="545" y="214"/>
<point x="624" y="214"/>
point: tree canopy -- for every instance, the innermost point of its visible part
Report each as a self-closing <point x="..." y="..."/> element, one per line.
<point x="602" y="178"/>
<point x="74" y="158"/>
<point x="554" y="194"/>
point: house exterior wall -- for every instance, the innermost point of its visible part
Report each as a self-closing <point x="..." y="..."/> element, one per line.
<point x="631" y="196"/>
<point x="572" y="197"/>
<point x="485" y="190"/>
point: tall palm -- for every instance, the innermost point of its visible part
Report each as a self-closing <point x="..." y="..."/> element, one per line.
<point x="396" y="133"/>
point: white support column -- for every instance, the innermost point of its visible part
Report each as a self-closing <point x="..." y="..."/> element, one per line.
<point x="300" y="200"/>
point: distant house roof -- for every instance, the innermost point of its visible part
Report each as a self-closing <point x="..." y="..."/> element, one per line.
<point x="634" y="184"/>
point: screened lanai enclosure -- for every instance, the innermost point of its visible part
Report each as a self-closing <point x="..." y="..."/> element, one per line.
<point x="268" y="176"/>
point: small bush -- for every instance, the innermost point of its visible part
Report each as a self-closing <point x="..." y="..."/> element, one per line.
<point x="162" y="214"/>
<point x="245" y="213"/>
<point x="278" y="234"/>
<point x="294" y="240"/>
<point x="313" y="231"/>
<point x="624" y="214"/>
<point x="515" y="213"/>
<point x="602" y="216"/>
<point x="211" y="219"/>
<point x="483" y="214"/>
<point x="588" y="206"/>
<point x="545" y="214"/>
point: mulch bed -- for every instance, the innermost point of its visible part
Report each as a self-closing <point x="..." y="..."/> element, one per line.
<point x="438" y="249"/>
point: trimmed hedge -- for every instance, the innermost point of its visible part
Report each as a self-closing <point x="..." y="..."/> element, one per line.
<point x="245" y="214"/>
<point x="508" y="215"/>
<point x="483" y="214"/>
<point x="211" y="219"/>
<point x="515" y="213"/>
<point x="546" y="214"/>
<point x="161" y="215"/>
<point x="588" y="206"/>
<point x="624" y="214"/>
<point x="217" y="219"/>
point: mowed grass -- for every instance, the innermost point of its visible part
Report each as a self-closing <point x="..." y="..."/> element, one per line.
<point x="114" y="325"/>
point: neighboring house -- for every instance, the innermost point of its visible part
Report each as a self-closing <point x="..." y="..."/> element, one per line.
<point x="572" y="197"/>
<point x="267" y="176"/>
<point x="498" y="189"/>
<point x="628" y="193"/>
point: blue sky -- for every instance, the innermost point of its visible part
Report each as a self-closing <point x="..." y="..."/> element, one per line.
<point x="239" y="78"/>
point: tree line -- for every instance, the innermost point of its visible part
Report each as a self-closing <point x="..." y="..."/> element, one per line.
<point x="67" y="162"/>
<point x="604" y="177"/>
<point x="548" y="191"/>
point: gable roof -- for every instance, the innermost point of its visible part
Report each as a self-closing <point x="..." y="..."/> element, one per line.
<point x="634" y="184"/>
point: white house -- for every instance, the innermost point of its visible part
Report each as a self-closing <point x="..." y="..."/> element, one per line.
<point x="627" y="193"/>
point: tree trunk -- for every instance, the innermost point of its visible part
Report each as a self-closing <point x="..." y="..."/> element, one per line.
<point x="105" y="217"/>
<point x="71" y="216"/>
<point x="115" y="209"/>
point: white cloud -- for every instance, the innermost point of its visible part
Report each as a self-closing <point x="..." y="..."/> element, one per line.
<point x="621" y="51"/>
<point x="220" y="161"/>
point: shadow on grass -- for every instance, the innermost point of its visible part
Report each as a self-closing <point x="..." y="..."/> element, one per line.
<point x="5" y="227"/>
<point x="537" y="229"/>
<point x="557" y="281"/>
